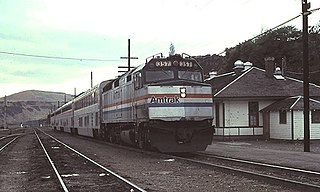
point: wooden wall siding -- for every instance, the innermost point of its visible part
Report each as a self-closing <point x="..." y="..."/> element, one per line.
<point x="236" y="118"/>
<point x="277" y="130"/>
<point x="284" y="131"/>
<point x="314" y="129"/>
<point x="236" y="113"/>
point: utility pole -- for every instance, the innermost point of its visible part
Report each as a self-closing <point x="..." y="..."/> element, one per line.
<point x="91" y="78"/>
<point x="129" y="58"/>
<point x="5" y="113"/>
<point x="306" y="107"/>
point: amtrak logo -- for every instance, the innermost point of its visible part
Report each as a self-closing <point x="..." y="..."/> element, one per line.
<point x="165" y="99"/>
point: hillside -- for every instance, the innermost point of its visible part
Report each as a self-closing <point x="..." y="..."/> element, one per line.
<point x="29" y="106"/>
<point x="36" y="95"/>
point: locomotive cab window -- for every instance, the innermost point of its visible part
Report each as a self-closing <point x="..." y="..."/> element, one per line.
<point x="190" y="75"/>
<point x="159" y="75"/>
<point x="128" y="78"/>
<point x="137" y="81"/>
<point x="116" y="83"/>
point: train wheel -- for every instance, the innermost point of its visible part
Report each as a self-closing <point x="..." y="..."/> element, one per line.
<point x="141" y="144"/>
<point x="110" y="139"/>
<point x="104" y="133"/>
<point x="112" y="135"/>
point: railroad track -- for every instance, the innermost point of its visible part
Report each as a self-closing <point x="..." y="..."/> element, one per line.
<point x="6" y="141"/>
<point x="77" y="172"/>
<point x="207" y="160"/>
<point x="306" y="180"/>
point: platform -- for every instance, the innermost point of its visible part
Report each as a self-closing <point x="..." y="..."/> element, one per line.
<point x="279" y="152"/>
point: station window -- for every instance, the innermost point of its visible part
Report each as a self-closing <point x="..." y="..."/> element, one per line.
<point x="217" y="114"/>
<point x="253" y="114"/>
<point x="283" y="117"/>
<point x="315" y="116"/>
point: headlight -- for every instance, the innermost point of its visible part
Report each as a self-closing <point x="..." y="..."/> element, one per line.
<point x="183" y="92"/>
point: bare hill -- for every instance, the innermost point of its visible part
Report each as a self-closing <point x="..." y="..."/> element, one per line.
<point x="36" y="95"/>
<point x="30" y="106"/>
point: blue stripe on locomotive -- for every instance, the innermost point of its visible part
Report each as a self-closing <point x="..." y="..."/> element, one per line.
<point x="161" y="105"/>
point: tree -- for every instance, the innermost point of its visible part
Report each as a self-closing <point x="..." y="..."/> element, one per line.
<point x="282" y="42"/>
<point x="172" y="50"/>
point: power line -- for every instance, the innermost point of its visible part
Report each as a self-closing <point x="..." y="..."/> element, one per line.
<point x="313" y="10"/>
<point x="55" y="57"/>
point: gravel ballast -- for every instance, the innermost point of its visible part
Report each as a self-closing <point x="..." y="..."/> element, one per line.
<point x="150" y="171"/>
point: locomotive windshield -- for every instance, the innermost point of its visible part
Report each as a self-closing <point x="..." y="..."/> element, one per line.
<point x="190" y="75"/>
<point x="173" y="68"/>
<point x="159" y="75"/>
<point x="166" y="74"/>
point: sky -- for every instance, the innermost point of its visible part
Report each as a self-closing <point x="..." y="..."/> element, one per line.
<point x="100" y="29"/>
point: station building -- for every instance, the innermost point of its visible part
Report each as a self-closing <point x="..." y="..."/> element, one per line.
<point x="250" y="102"/>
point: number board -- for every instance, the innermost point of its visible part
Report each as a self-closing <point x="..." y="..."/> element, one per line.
<point x="173" y="63"/>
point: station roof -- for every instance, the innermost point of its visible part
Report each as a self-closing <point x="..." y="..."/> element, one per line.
<point x="292" y="103"/>
<point x="253" y="82"/>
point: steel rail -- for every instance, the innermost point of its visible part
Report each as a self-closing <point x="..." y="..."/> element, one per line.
<point x="260" y="164"/>
<point x="97" y="164"/>
<point x="8" y="143"/>
<point x="305" y="186"/>
<point x="8" y="136"/>
<point x="63" y="185"/>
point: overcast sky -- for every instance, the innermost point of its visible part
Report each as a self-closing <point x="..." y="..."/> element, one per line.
<point x="100" y="29"/>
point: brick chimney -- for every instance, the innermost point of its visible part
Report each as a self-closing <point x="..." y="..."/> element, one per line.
<point x="269" y="66"/>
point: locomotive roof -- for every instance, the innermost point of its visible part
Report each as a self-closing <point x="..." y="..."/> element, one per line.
<point x="138" y="68"/>
<point x="155" y="58"/>
<point x="184" y="61"/>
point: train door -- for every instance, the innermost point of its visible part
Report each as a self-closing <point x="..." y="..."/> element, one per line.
<point x="137" y="85"/>
<point x="118" y="103"/>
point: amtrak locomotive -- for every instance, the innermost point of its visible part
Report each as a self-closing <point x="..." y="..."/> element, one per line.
<point x="163" y="104"/>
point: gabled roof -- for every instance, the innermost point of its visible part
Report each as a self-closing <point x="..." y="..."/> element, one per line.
<point x="292" y="103"/>
<point x="254" y="83"/>
<point x="221" y="81"/>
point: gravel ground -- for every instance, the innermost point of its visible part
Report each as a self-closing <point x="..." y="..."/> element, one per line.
<point x="24" y="169"/>
<point x="157" y="172"/>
